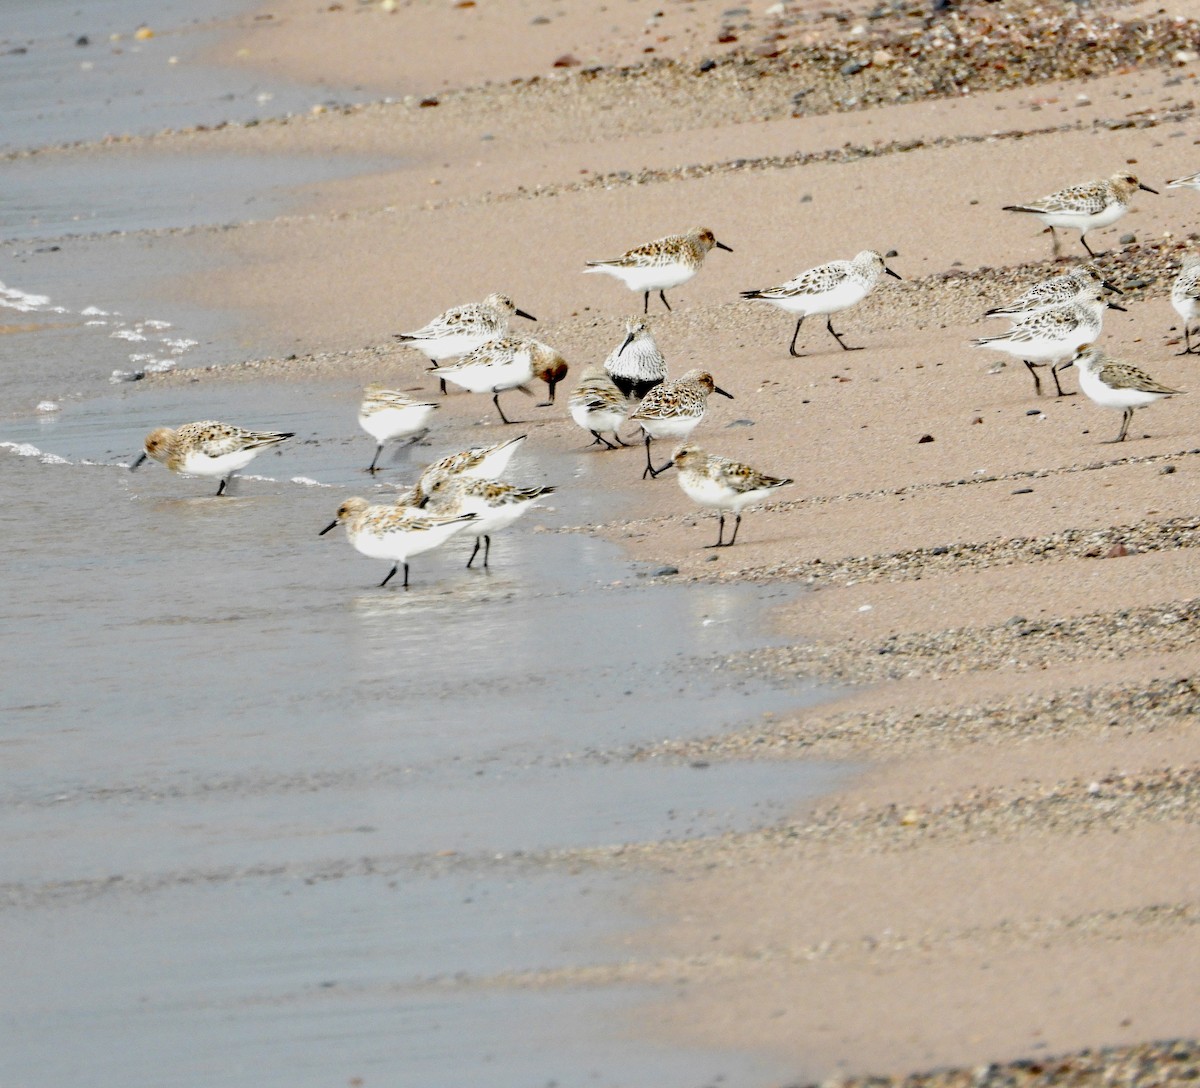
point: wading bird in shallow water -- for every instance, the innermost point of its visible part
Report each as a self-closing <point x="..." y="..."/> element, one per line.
<point x="597" y="405"/>
<point x="663" y="263"/>
<point x="1113" y="384"/>
<point x="495" y="505"/>
<point x="826" y="289"/>
<point x="387" y="415"/>
<point x="507" y="363"/>
<point x="389" y="531"/>
<point x="207" y="448"/>
<point x="1084" y="207"/>
<point x="462" y="329"/>
<point x="722" y="484"/>
<point x="673" y="410"/>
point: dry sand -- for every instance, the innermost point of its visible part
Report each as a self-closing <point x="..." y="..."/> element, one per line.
<point x="1010" y="602"/>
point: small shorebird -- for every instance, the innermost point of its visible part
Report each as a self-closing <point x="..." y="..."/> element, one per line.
<point x="509" y="362"/>
<point x="1185" y="297"/>
<point x="390" y="531"/>
<point x="636" y="366"/>
<point x="1051" y="335"/>
<point x="476" y="463"/>
<point x="826" y="289"/>
<point x="207" y="448"/>
<point x="598" y="405"/>
<point x="387" y="415"/>
<point x="1055" y="291"/>
<point x="1113" y="384"/>
<point x="723" y="484"/>
<point x="665" y="262"/>
<point x="1084" y="207"/>
<point x="494" y="505"/>
<point x="674" y="409"/>
<point x="463" y="328"/>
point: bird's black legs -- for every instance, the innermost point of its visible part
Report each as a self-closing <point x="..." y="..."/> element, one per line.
<point x="395" y="567"/>
<point x="487" y="550"/>
<point x="1124" y="428"/>
<point x="737" y="524"/>
<point x="602" y="441"/>
<point x="1083" y="239"/>
<point x="721" y="543"/>
<point x="224" y="483"/>
<point x="649" y="471"/>
<point x="720" y="532"/>
<point x="1187" y="340"/>
<point x="1057" y="385"/>
<point x="1037" y="382"/>
<point x="496" y="402"/>
<point x="474" y="552"/>
<point x="646" y="303"/>
<point x="662" y="295"/>
<point x="375" y="459"/>
<point x="829" y="326"/>
<point x="792" y="346"/>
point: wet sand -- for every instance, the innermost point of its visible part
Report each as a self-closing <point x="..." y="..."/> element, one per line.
<point x="1006" y="600"/>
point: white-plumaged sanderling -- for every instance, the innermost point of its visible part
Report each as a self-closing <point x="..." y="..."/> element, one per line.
<point x="722" y="484"/>
<point x="207" y="448"/>
<point x="388" y="415"/>
<point x="1185" y="298"/>
<point x="1056" y="291"/>
<point x="1085" y="207"/>
<point x="663" y="263"/>
<point x="510" y="362"/>
<point x="597" y="405"/>
<point x="495" y="505"/>
<point x="395" y="532"/>
<point x="826" y="289"/>
<point x="1113" y="384"/>
<point x="463" y="328"/>
<point x="673" y="410"/>
<point x="1051" y="335"/>
<point x="636" y="365"/>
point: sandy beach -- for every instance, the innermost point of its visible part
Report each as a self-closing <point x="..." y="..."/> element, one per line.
<point x="1005" y="604"/>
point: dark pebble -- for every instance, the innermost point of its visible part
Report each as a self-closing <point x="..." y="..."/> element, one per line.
<point x="1166" y="470"/>
<point x="941" y="549"/>
<point x="924" y="438"/>
<point x="662" y="572"/>
<point x="1023" y="491"/>
<point x="853" y="67"/>
<point x="740" y="423"/>
<point x="707" y="65"/>
<point x="1128" y="239"/>
<point x="1034" y="412"/>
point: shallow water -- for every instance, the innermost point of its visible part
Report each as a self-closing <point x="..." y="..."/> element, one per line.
<point x="265" y="822"/>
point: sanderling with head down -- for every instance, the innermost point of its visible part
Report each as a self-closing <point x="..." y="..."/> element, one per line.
<point x="1113" y="384"/>
<point x="1185" y="297"/>
<point x="673" y="410"/>
<point x="665" y="262"/>
<point x="636" y="365"/>
<point x="1084" y="207"/>
<point x="1056" y="291"/>
<point x="463" y="328"/>
<point x="826" y="289"/>
<point x="495" y="505"/>
<point x="597" y="405"/>
<point x="395" y="532"/>
<point x="387" y="415"/>
<point x="509" y="362"/>
<point x="723" y="484"/>
<point x="1051" y="335"/>
<point x="207" y="448"/>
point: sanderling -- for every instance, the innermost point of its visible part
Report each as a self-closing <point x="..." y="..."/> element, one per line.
<point x="1084" y="207"/>
<point x="1113" y="384"/>
<point x="1192" y="181"/>
<point x="1055" y="291"/>
<point x="674" y="409"/>
<point x="476" y="463"/>
<point x="386" y="415"/>
<point x="636" y="365"/>
<point x="723" y="484"/>
<point x="597" y="405"/>
<point x="391" y="531"/>
<point x="495" y="505"/>
<point x="826" y="289"/>
<point x="1185" y="297"/>
<point x="463" y="328"/>
<point x="665" y="262"/>
<point x="1051" y="335"/>
<point x="207" y="448"/>
<point x="507" y="363"/>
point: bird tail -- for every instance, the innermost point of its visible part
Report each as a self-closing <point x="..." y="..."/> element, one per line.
<point x="1021" y="208"/>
